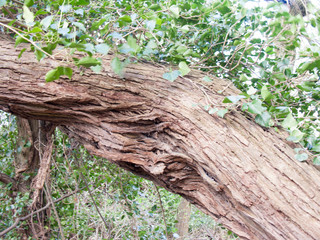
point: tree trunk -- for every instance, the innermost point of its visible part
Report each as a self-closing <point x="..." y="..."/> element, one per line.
<point x="243" y="175"/>
<point x="183" y="218"/>
<point x="31" y="139"/>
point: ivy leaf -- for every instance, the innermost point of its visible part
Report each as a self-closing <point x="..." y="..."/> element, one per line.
<point x="89" y="47"/>
<point x="55" y="74"/>
<point x="27" y="15"/>
<point x="265" y="94"/>
<point x="132" y="42"/>
<point x="175" y="11"/>
<point x="316" y="161"/>
<point x="151" y="24"/>
<point x="207" y="79"/>
<point x="289" y="122"/>
<point x="118" y="66"/>
<point x="183" y="68"/>
<point x="263" y="119"/>
<point x="171" y="76"/>
<point x="88" y="62"/>
<point x="65" y="8"/>
<point x="212" y="110"/>
<point x="233" y="99"/>
<point x="251" y="90"/>
<point x="79" y="25"/>
<point x="301" y="157"/>
<point x="46" y="22"/>
<point x="96" y="69"/>
<point x="102" y="48"/>
<point x="256" y="107"/>
<point x="295" y="136"/>
<point x="222" y="112"/>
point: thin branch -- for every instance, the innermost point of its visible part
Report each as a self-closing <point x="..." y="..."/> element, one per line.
<point x="91" y="195"/>
<point x="35" y="45"/>
<point x="37" y="211"/>
<point x="48" y="194"/>
<point x="7" y="20"/>
<point x="162" y="210"/>
<point x="6" y="179"/>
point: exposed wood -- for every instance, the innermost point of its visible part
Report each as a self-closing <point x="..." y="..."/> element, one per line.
<point x="244" y="176"/>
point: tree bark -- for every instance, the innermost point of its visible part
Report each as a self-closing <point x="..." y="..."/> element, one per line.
<point x="183" y="218"/>
<point x="244" y="176"/>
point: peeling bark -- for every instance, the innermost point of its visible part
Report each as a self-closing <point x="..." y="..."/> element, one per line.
<point x="244" y="176"/>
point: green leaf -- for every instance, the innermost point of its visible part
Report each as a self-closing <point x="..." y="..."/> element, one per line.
<point x="263" y="119"/>
<point x="265" y="94"/>
<point x="39" y="54"/>
<point x="28" y="3"/>
<point x="289" y="122"/>
<point x="222" y="112"/>
<point x="3" y="2"/>
<point x="46" y="22"/>
<point x="88" y="62"/>
<point x="151" y="24"/>
<point x="118" y="66"/>
<point x="89" y="47"/>
<point x="295" y="136"/>
<point x="233" y="99"/>
<point x="132" y="42"/>
<point x="316" y="161"/>
<point x="256" y="107"/>
<point x="212" y="110"/>
<point x="251" y="90"/>
<point x="301" y="157"/>
<point x="21" y="52"/>
<point x="124" y="20"/>
<point x="102" y="48"/>
<point x="171" y="76"/>
<point x="183" y="68"/>
<point x="35" y="30"/>
<point x="309" y="66"/>
<point x="207" y="79"/>
<point x="175" y="11"/>
<point x="223" y="10"/>
<point x="81" y="2"/>
<point x="80" y="26"/>
<point x="96" y="69"/>
<point x="55" y="74"/>
<point x="27" y="15"/>
<point x="19" y="40"/>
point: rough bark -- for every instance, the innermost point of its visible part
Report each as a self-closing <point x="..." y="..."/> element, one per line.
<point x="183" y="218"/>
<point x="244" y="176"/>
<point x="33" y="156"/>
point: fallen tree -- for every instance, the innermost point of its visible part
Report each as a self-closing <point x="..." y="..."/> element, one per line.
<point x="241" y="174"/>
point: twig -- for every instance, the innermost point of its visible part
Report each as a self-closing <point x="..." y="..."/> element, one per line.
<point x="94" y="202"/>
<point x="35" y="45"/>
<point x="129" y="207"/>
<point x="48" y="194"/>
<point x="7" y="20"/>
<point x="162" y="210"/>
<point x="37" y="211"/>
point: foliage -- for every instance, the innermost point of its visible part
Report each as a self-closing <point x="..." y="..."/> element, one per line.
<point x="270" y="55"/>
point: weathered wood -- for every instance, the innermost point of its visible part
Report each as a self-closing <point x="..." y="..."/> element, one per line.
<point x="244" y="176"/>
